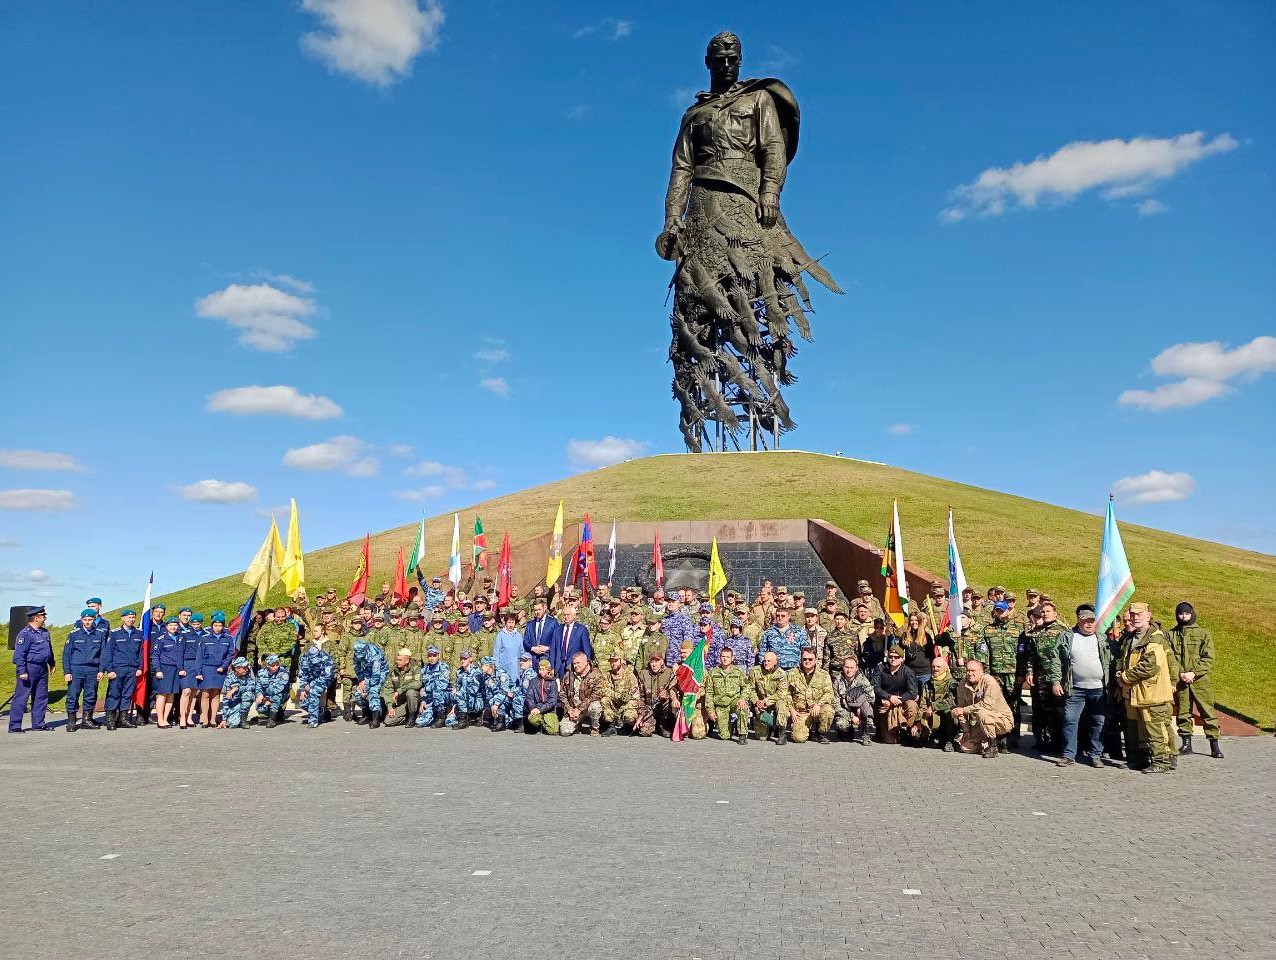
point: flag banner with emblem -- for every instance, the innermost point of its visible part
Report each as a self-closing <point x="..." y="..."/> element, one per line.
<point x="266" y="567"/>
<point x="242" y="624"/>
<point x="479" y="561"/>
<point x="717" y="576"/>
<point x="418" y="550"/>
<point x="293" y="571"/>
<point x="504" y="574"/>
<point x="454" y="557"/>
<point x="956" y="582"/>
<point x="611" y="554"/>
<point x="400" y="579"/>
<point x="657" y="561"/>
<point x="139" y="691"/>
<point x="585" y="569"/>
<point x="554" y="568"/>
<point x="690" y="679"/>
<point x="359" y="585"/>
<point x="1116" y="582"/>
<point x="895" y="601"/>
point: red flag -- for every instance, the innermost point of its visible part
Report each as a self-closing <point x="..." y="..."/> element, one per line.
<point x="504" y="574"/>
<point x="400" y="578"/>
<point x="359" y="586"/>
<point x="585" y="569"/>
<point x="658" y="561"/>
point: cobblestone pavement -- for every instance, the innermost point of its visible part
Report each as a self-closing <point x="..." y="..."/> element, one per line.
<point x="344" y="842"/>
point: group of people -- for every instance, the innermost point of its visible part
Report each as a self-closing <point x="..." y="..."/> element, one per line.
<point x="776" y="666"/>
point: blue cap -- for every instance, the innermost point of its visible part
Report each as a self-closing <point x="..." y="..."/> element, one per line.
<point x="272" y="659"/>
<point x="34" y="611"/>
<point x="158" y="606"/>
<point x="97" y="600"/>
<point x="171" y="620"/>
<point x="467" y="653"/>
<point x="219" y="617"/>
<point x="1001" y="605"/>
<point x="129" y="613"/>
<point x="431" y="649"/>
<point x="524" y="656"/>
<point x="86" y="612"/>
<point x="184" y="610"/>
<point x="486" y="660"/>
<point x="197" y="618"/>
<point x="239" y="662"/>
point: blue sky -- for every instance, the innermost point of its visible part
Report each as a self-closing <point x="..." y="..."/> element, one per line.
<point x="423" y="225"/>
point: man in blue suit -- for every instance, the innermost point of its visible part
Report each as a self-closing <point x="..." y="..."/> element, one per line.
<point x="543" y="634"/>
<point x="573" y="639"/>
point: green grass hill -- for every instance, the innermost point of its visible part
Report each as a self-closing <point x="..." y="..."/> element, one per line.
<point x="1004" y="539"/>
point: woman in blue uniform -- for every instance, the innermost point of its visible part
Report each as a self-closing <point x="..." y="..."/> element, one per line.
<point x="188" y="672"/>
<point x="166" y="661"/>
<point x="216" y="653"/>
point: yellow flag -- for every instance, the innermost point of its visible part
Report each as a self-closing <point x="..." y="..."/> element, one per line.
<point x="263" y="572"/>
<point x="717" y="576"/>
<point x="555" y="568"/>
<point x="293" y="572"/>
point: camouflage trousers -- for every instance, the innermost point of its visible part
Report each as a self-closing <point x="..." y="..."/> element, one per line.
<point x="370" y="700"/>
<point x="590" y="717"/>
<point x="235" y="709"/>
<point x="518" y="706"/>
<point x="1156" y="733"/>
<point x="313" y="703"/>
<point x="434" y="706"/>
<point x="774" y="718"/>
<point x="722" y="720"/>
<point x="1198" y="694"/>
<point x="544" y="722"/>
<point x="803" y="722"/>
<point x="469" y="695"/>
<point x="656" y="719"/>
<point x="845" y="719"/>
<point x="271" y="703"/>
<point x="622" y="711"/>
<point x="1013" y="692"/>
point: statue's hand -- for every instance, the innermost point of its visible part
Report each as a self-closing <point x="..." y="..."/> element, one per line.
<point x="768" y="211"/>
<point x="667" y="242"/>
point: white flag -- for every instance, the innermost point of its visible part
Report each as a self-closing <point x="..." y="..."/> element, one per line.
<point x="454" y="561"/>
<point x="611" y="554"/>
<point x="899" y="562"/>
<point x="956" y="581"/>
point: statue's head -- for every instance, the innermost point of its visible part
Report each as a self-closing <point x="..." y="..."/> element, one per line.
<point x="723" y="58"/>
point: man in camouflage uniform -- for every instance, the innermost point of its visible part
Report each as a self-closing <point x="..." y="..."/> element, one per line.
<point x="655" y="640"/>
<point x="498" y="693"/>
<point x="313" y="675"/>
<point x="484" y="642"/>
<point x="810" y="700"/>
<point x="841" y="642"/>
<point x="1148" y="687"/>
<point x="345" y="673"/>
<point x="1047" y="709"/>
<point x="467" y="692"/>
<point x="582" y="696"/>
<point x="276" y="636"/>
<point x="726" y="693"/>
<point x="272" y="690"/>
<point x="853" y="703"/>
<point x="1001" y="638"/>
<point x="620" y="695"/>
<point x="401" y="693"/>
<point x="371" y="669"/>
<point x="982" y="713"/>
<point x="634" y="634"/>
<point x="769" y="695"/>
<point x="239" y="693"/>
<point x="1193" y="647"/>
<point x="934" y="607"/>
<point x="654" y="685"/>
<point x="864" y="594"/>
<point x="815" y="634"/>
<point x="436" y="690"/>
<point x="518" y="703"/>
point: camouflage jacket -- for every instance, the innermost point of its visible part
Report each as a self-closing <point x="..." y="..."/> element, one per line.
<point x="579" y="692"/>
<point x="622" y="685"/>
<point x="838" y="645"/>
<point x="805" y="692"/>
<point x="769" y="688"/>
<point x="1002" y="641"/>
<point x="273" y="637"/>
<point x="725" y="685"/>
<point x="1046" y="667"/>
<point x="1193" y="647"/>
<point x="399" y="682"/>
<point x="654" y="687"/>
<point x="854" y="693"/>
<point x="436" y="680"/>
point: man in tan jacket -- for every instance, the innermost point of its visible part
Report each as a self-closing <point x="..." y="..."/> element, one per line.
<point x="1146" y="685"/>
<point x="981" y="712"/>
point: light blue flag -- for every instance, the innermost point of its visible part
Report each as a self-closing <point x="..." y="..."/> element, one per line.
<point x="1116" y="583"/>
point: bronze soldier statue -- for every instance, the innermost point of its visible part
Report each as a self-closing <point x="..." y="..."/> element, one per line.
<point x="738" y="287"/>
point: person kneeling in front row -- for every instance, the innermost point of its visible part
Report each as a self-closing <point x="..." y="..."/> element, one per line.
<point x="982" y="713"/>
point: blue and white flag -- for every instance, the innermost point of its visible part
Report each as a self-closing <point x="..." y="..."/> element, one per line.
<point x="956" y="583"/>
<point x="454" y="559"/>
<point x="1116" y="583"/>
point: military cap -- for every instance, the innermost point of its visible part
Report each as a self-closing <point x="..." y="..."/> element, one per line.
<point x="524" y="656"/>
<point x="272" y="659"/>
<point x="437" y="580"/>
<point x="830" y="584"/>
<point x="404" y="652"/>
<point x="158" y="606"/>
<point x="396" y="612"/>
<point x="998" y="589"/>
<point x="706" y="608"/>
<point x="615" y="655"/>
<point x="1140" y="608"/>
<point x="379" y="615"/>
<point x="1001" y="605"/>
<point x="781" y="589"/>
<point x="437" y="617"/>
<point x="97" y="600"/>
<point x="1010" y="596"/>
<point x="463" y="625"/>
<point x="87" y="612"/>
<point x="737" y="622"/>
<point x="861" y="583"/>
<point x="1085" y="613"/>
<point x="239" y="662"/>
<point x="488" y="661"/>
<point x="197" y="618"/>
<point x="467" y="603"/>
<point x="509" y="613"/>
<point x="185" y="610"/>
<point x="488" y="615"/>
<point x="467" y="654"/>
<point x="127" y="613"/>
<point x="810" y="612"/>
<point x="1033" y="592"/>
<point x="1046" y="598"/>
<point x="35" y="611"/>
<point x="431" y="649"/>
<point x="218" y="617"/>
<point x="839" y="612"/>
<point x="653" y="617"/>
<point x="171" y="620"/>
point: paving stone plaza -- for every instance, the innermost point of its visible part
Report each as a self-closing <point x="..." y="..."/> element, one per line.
<point x="342" y="842"/>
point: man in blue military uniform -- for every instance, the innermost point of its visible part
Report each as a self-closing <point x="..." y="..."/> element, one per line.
<point x="122" y="664"/>
<point x="467" y="692"/>
<point x="239" y="693"/>
<point x="518" y="705"/>
<point x="82" y="669"/>
<point x="272" y="690"/>
<point x="100" y="623"/>
<point x="498" y="695"/>
<point x="313" y="674"/>
<point x="786" y="640"/>
<point x="436" y="689"/>
<point x="370" y="670"/>
<point x="32" y="660"/>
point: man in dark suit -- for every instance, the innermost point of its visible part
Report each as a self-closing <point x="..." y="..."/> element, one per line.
<point x="543" y="634"/>
<point x="573" y="639"/>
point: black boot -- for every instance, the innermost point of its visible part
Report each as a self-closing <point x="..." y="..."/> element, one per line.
<point x="1215" y="752"/>
<point x="462" y="720"/>
<point x="88" y="723"/>
<point x="271" y="722"/>
<point x="70" y="721"/>
<point x="782" y="738"/>
<point x="439" y="723"/>
<point x="611" y="731"/>
<point x="1186" y="747"/>
<point x="347" y="711"/>
<point x="129" y="719"/>
<point x="375" y="720"/>
<point x="864" y="739"/>
<point x="112" y="717"/>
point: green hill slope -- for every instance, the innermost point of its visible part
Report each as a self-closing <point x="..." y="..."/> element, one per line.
<point x="1005" y="539"/>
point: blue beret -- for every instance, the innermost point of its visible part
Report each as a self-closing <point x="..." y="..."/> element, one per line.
<point x="272" y="659"/>
<point x="172" y="620"/>
<point x="129" y="613"/>
<point x="184" y="610"/>
<point x="97" y="600"/>
<point x="197" y="618"/>
<point x="34" y="611"/>
<point x="219" y="617"/>
<point x="158" y="606"/>
<point x="239" y="662"/>
<point x="86" y="612"/>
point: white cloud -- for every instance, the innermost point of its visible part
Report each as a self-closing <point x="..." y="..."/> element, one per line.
<point x="497" y="355"/>
<point x="484" y="484"/>
<point x="601" y="453"/>
<point x="402" y="449"/>
<point x="578" y="112"/>
<point x="218" y="491"/>
<point x="279" y="400"/>
<point x="900" y="429"/>
<point x="39" y="460"/>
<point x="289" y="281"/>
<point x="1155" y="486"/>
<point x="1205" y="369"/>
<point x="373" y="40"/>
<point x="268" y="318"/>
<point x="348" y="455"/>
<point x="777" y="58"/>
<point x="8" y="543"/>
<point x="1151" y="207"/>
<point x="424" y="493"/>
<point x="452" y="476"/>
<point x="1118" y="168"/>
<point x="47" y="500"/>
<point x="23" y="581"/>
<point x="496" y="385"/>
<point x="279" y="511"/>
<point x="37" y="576"/>
<point x="608" y="27"/>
